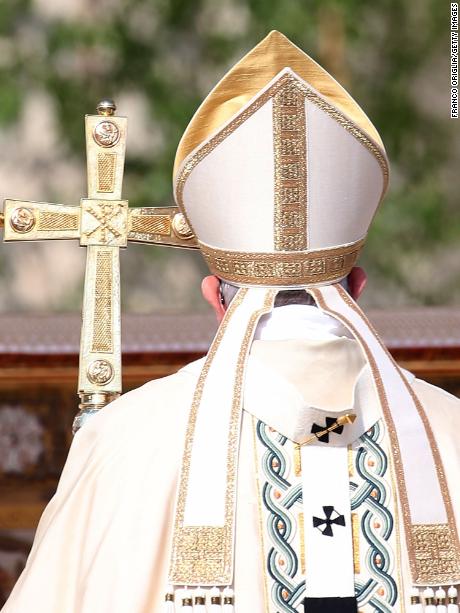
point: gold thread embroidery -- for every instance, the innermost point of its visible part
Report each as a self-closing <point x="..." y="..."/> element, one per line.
<point x="399" y="564"/>
<point x="289" y="144"/>
<point x="351" y="461"/>
<point x="389" y="420"/>
<point x="282" y="268"/>
<point x="177" y="564"/>
<point x="355" y="533"/>
<point x="260" y="515"/>
<point x="102" y="328"/>
<point x="216" y="568"/>
<point x="297" y="460"/>
<point x="106" y="168"/>
<point x="204" y="150"/>
<point x="303" y="564"/>
<point x="50" y="220"/>
<point x="433" y="445"/>
<point x="434" y="552"/>
<point x="420" y="575"/>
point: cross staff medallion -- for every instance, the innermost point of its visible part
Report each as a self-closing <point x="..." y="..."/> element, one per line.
<point x="103" y="223"/>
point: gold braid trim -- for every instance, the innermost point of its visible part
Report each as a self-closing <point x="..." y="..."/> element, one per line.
<point x="290" y="155"/>
<point x="203" y="555"/>
<point x="434" y="550"/>
<point x="282" y="268"/>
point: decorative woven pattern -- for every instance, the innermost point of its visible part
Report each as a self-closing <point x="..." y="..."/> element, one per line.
<point x="374" y="531"/>
<point x="290" y="231"/>
<point x="48" y="220"/>
<point x="284" y="267"/>
<point x="102" y="327"/>
<point x="434" y="551"/>
<point x="151" y="224"/>
<point x="106" y="167"/>
<point x="372" y="501"/>
<point x="281" y="493"/>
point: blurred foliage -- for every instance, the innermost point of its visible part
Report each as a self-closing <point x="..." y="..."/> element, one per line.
<point x="392" y="55"/>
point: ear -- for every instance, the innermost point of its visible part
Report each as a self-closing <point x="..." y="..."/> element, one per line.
<point x="210" y="288"/>
<point x="357" y="280"/>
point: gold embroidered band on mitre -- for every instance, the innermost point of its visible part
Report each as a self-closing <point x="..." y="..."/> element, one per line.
<point x="283" y="268"/>
<point x="290" y="154"/>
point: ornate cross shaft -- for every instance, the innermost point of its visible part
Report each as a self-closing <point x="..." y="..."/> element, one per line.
<point x="103" y="223"/>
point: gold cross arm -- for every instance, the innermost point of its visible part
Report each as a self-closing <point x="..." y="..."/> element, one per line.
<point x="115" y="222"/>
<point x="103" y="223"/>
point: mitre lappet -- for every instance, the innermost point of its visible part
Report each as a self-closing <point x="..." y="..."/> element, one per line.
<point x="279" y="175"/>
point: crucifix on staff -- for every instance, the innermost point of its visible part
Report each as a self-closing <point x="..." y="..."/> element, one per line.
<point x="103" y="223"/>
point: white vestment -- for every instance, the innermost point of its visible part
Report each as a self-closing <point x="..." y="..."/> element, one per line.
<point x="103" y="543"/>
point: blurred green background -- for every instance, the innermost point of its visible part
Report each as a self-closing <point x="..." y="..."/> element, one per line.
<point x="158" y="59"/>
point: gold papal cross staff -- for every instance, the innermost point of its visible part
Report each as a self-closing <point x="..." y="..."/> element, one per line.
<point x="103" y="223"/>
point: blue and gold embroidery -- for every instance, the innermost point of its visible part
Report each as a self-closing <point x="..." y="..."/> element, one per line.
<point x="282" y="500"/>
<point x="372" y="499"/>
<point x="372" y="503"/>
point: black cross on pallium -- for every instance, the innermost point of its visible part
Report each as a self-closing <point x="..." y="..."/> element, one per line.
<point x="329" y="421"/>
<point x="328" y="521"/>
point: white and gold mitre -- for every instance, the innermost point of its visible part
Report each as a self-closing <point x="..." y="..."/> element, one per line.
<point x="280" y="172"/>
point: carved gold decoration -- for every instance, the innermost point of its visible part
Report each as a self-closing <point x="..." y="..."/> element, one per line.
<point x="105" y="163"/>
<point x="49" y="221"/>
<point x="181" y="227"/>
<point x="103" y="225"/>
<point x="250" y="76"/>
<point x="101" y="330"/>
<point x="106" y="168"/>
<point x="103" y="312"/>
<point x="104" y="222"/>
<point x="53" y="221"/>
<point x="2" y="220"/>
<point x="156" y="225"/>
<point x="282" y="268"/>
<point x="22" y="220"/>
<point x="151" y="224"/>
<point x="100" y="372"/>
<point x="106" y="133"/>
